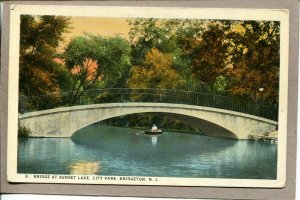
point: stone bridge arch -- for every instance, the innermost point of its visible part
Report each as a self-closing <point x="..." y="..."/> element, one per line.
<point x="63" y="122"/>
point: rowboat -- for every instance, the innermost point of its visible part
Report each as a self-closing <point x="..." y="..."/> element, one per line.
<point x="150" y="132"/>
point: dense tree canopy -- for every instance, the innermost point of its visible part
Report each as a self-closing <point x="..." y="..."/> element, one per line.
<point x="39" y="40"/>
<point x="208" y="53"/>
<point x="94" y="60"/>
<point x="255" y="60"/>
<point x="156" y="72"/>
<point x="233" y="57"/>
<point x="167" y="36"/>
<point x="236" y="58"/>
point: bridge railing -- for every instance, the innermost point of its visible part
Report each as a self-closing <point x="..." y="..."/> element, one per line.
<point x="120" y="95"/>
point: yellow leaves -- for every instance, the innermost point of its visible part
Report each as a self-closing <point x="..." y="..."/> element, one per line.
<point x="238" y="28"/>
<point x="156" y="72"/>
<point x="44" y="81"/>
<point x="138" y="78"/>
<point x="158" y="60"/>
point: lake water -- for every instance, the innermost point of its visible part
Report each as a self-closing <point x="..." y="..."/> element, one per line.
<point x="106" y="150"/>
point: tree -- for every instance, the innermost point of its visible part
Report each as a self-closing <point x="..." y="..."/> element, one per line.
<point x="39" y="38"/>
<point x="208" y="53"/>
<point x="156" y="72"/>
<point x="167" y="36"/>
<point x="232" y="57"/>
<point x="255" y="60"/>
<point x="96" y="60"/>
<point x="146" y="34"/>
<point x="39" y="73"/>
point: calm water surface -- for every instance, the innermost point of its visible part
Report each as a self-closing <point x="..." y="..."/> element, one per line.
<point x="105" y="150"/>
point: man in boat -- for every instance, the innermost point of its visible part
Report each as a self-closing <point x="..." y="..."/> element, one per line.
<point x="154" y="128"/>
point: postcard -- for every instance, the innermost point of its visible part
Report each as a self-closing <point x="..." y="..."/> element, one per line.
<point x="173" y="96"/>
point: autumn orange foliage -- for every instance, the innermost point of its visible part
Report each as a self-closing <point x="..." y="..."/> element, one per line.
<point x="88" y="68"/>
<point x="43" y="81"/>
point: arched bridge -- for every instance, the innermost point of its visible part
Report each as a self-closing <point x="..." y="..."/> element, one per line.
<point x="220" y="122"/>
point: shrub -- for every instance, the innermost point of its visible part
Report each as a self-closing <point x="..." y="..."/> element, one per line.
<point x="23" y="131"/>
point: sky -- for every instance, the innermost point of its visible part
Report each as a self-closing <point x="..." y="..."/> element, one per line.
<point x="109" y="27"/>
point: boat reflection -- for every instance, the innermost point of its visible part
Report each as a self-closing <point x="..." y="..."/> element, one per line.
<point x="154" y="140"/>
<point x="85" y="168"/>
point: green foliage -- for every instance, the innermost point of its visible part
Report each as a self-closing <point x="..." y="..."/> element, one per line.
<point x="97" y="61"/>
<point x="146" y="34"/>
<point x="164" y="35"/>
<point x="23" y="131"/>
<point x="235" y="57"/>
<point x="64" y="78"/>
<point x="229" y="57"/>
<point x="221" y="84"/>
